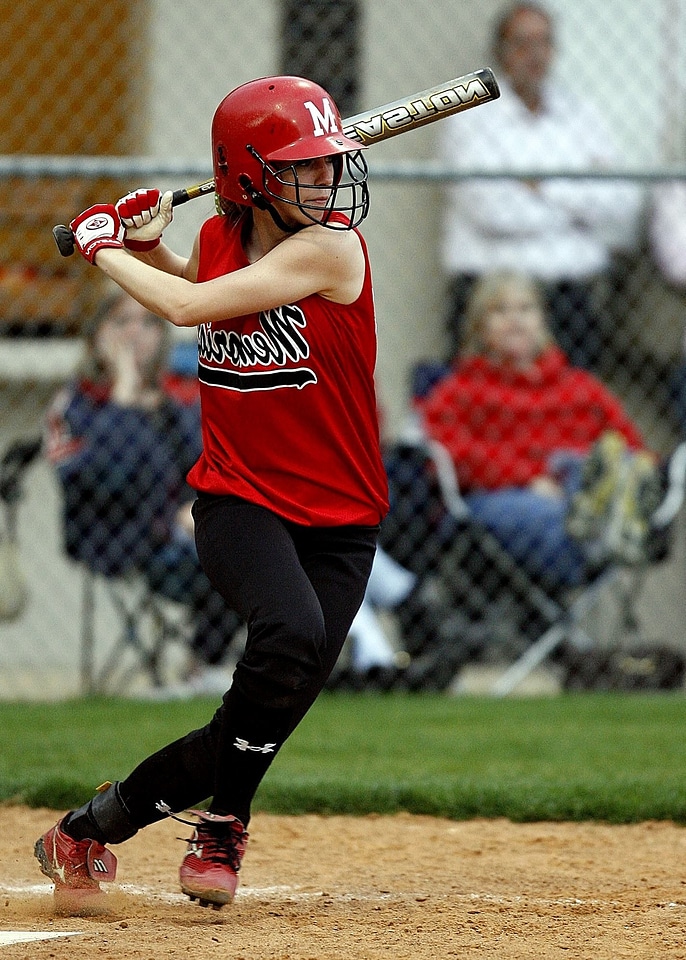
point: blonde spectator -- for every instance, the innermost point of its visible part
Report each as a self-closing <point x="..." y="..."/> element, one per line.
<point x="547" y="457"/>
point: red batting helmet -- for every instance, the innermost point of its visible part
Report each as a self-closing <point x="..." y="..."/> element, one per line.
<point x="266" y="127"/>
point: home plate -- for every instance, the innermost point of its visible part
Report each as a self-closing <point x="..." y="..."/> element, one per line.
<point x="28" y="936"/>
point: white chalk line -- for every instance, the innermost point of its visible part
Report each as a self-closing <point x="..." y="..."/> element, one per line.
<point x="244" y="893"/>
<point x="294" y="895"/>
<point x="8" y="937"/>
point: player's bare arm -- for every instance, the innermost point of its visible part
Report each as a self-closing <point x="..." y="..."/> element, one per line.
<point x="164" y="259"/>
<point x="312" y="261"/>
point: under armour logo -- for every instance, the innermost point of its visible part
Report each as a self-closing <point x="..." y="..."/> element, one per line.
<point x="243" y="745"/>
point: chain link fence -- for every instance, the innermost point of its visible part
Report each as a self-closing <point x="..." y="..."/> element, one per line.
<point x="102" y="98"/>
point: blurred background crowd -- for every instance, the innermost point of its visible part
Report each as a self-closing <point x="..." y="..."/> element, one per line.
<point x="530" y="276"/>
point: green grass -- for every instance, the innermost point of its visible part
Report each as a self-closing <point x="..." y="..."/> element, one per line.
<point x="611" y="757"/>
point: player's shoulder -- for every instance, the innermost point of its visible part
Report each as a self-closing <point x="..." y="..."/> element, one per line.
<point x="330" y="241"/>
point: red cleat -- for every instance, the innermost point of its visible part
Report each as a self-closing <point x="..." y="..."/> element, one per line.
<point x="76" y="867"/>
<point x="209" y="871"/>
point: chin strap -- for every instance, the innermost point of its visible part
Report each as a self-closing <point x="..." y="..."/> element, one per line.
<point x="274" y="214"/>
<point x="263" y="204"/>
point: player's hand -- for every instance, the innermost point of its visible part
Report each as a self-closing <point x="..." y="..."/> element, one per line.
<point x="97" y="227"/>
<point x="145" y="214"/>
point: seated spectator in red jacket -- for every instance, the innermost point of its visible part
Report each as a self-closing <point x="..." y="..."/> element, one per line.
<point x="545" y="454"/>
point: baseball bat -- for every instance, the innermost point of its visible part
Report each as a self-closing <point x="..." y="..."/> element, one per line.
<point x="371" y="126"/>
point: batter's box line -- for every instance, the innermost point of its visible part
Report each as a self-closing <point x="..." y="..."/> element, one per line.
<point x="243" y="893"/>
<point x="9" y="937"/>
<point x="293" y="895"/>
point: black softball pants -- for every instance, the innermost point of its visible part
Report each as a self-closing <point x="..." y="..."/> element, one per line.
<point x="298" y="589"/>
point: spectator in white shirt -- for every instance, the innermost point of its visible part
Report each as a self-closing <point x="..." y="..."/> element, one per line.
<point x="561" y="231"/>
<point x="667" y="230"/>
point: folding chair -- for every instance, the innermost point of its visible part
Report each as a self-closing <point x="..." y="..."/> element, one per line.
<point x="146" y="623"/>
<point x="14" y="591"/>
<point x="17" y="457"/>
<point x="420" y="472"/>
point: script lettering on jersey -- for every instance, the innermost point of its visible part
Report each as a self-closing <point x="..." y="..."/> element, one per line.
<point x="234" y="361"/>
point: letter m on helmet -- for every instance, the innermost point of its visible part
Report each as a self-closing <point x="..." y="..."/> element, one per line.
<point x="323" y="121"/>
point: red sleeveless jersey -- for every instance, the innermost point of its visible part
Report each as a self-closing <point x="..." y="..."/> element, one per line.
<point x="288" y="401"/>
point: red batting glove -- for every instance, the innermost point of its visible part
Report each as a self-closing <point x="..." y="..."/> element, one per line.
<point x="145" y="214"/>
<point x="97" y="227"/>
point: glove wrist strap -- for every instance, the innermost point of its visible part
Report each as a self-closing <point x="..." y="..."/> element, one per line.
<point x="141" y="244"/>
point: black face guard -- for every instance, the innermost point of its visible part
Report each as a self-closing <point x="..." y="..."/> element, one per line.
<point x="348" y="194"/>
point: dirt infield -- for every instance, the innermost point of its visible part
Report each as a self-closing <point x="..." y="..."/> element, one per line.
<point x="334" y="888"/>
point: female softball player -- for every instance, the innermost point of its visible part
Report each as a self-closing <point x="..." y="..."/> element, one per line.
<point x="291" y="485"/>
